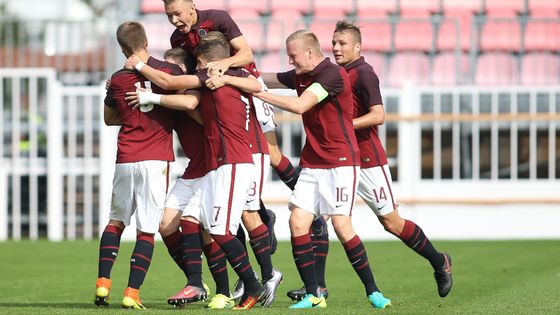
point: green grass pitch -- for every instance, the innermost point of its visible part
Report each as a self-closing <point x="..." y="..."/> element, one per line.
<point x="498" y="277"/>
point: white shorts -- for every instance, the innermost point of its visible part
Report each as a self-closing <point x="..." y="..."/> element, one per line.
<point x="262" y="168"/>
<point x="264" y="111"/>
<point x="224" y="196"/>
<point x="186" y="196"/>
<point x="140" y="188"/>
<point x="326" y="191"/>
<point x="376" y="189"/>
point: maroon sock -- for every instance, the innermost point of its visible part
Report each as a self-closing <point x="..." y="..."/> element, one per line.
<point x="287" y="172"/>
<point x="260" y="243"/>
<point x="357" y="255"/>
<point x="302" y="250"/>
<point x="217" y="264"/>
<point x="141" y="259"/>
<point x="413" y="236"/>
<point x="108" y="250"/>
<point x="174" y="246"/>
<point x="320" y="239"/>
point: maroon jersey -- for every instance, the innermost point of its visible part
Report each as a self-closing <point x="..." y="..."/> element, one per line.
<point x="143" y="135"/>
<point x="225" y="114"/>
<point x="331" y="141"/>
<point x="191" y="137"/>
<point x="208" y="20"/>
<point x="365" y="93"/>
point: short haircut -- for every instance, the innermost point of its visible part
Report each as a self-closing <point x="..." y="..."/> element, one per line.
<point x="178" y="54"/>
<point x="308" y="39"/>
<point x="212" y="50"/>
<point x="132" y="37"/>
<point x="168" y="2"/>
<point x="215" y="35"/>
<point x="345" y="26"/>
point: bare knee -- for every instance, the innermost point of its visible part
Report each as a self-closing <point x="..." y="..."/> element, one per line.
<point x="392" y="223"/>
<point x="342" y="226"/>
<point x="251" y="219"/>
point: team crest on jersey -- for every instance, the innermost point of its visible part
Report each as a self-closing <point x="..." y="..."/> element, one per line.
<point x="202" y="32"/>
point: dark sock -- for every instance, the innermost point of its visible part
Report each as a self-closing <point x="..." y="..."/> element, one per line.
<point x="265" y="218"/>
<point x="237" y="258"/>
<point x="192" y="252"/>
<point x="287" y="172"/>
<point x="320" y="239"/>
<point x="413" y="236"/>
<point x="108" y="250"/>
<point x="174" y="246"/>
<point x="302" y="250"/>
<point x="217" y="264"/>
<point x="260" y="243"/>
<point x="242" y="237"/>
<point x="141" y="259"/>
<point x="357" y="256"/>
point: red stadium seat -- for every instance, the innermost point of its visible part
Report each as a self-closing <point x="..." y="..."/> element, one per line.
<point x="376" y="36"/>
<point x="542" y="36"/>
<point x="544" y="8"/>
<point x="252" y="28"/>
<point x="470" y="5"/>
<point x="377" y="61"/>
<point x="151" y="6"/>
<point x="260" y="6"/>
<point x="450" y="69"/>
<point x="273" y="62"/>
<point x="158" y="32"/>
<point x="496" y="69"/>
<point x="324" y="32"/>
<point x="410" y="8"/>
<point x="540" y="68"/>
<point x="501" y="35"/>
<point x="332" y="8"/>
<point x="504" y="7"/>
<point x="414" y="35"/>
<point x="409" y="67"/>
<point x="303" y="6"/>
<point x="282" y="24"/>
<point x="156" y="6"/>
<point x="375" y="8"/>
<point x="447" y="35"/>
<point x="212" y="4"/>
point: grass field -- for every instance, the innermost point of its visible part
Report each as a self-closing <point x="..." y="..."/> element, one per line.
<point x="514" y="277"/>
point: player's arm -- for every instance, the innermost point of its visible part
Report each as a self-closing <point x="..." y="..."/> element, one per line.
<point x="160" y="78"/>
<point x="243" y="56"/>
<point x="272" y="82"/>
<point x="196" y="116"/>
<point x="188" y="101"/>
<point x="296" y="104"/>
<point x="249" y="84"/>
<point x="375" y="116"/>
<point x="111" y="116"/>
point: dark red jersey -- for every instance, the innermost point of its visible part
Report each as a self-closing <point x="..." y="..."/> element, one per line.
<point x="143" y="135"/>
<point x="225" y="112"/>
<point x="366" y="93"/>
<point x="191" y="137"/>
<point x="208" y="20"/>
<point x="331" y="141"/>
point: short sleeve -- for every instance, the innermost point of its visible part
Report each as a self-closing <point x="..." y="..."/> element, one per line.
<point x="331" y="80"/>
<point x="367" y="87"/>
<point x="202" y="76"/>
<point x="287" y="78"/>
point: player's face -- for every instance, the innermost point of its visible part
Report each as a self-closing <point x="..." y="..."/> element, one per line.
<point x="181" y="14"/>
<point x="345" y="49"/>
<point x="201" y="62"/>
<point x="299" y="56"/>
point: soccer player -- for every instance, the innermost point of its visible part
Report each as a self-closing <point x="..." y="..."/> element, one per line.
<point x="329" y="160"/>
<point x="226" y="144"/>
<point x="145" y="148"/>
<point x="375" y="177"/>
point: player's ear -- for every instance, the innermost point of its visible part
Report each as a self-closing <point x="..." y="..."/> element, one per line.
<point x="357" y="48"/>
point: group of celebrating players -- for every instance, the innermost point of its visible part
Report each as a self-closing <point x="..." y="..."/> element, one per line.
<point x="209" y="91"/>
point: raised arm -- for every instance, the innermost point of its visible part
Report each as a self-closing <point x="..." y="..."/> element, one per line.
<point x="295" y="104"/>
<point x="271" y="81"/>
<point x="160" y="78"/>
<point x="243" y="56"/>
<point x="188" y="101"/>
<point x="249" y="84"/>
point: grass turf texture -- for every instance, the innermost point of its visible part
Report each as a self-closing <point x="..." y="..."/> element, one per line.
<point x="506" y="277"/>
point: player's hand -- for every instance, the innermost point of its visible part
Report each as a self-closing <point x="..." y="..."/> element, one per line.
<point x="107" y="84"/>
<point x="132" y="61"/>
<point x="218" y="67"/>
<point x="132" y="99"/>
<point x="216" y="82"/>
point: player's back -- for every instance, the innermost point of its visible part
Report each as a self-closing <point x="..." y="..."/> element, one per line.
<point x="145" y="133"/>
<point x="191" y="137"/>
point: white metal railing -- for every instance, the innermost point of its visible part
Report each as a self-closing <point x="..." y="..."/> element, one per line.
<point x="464" y="145"/>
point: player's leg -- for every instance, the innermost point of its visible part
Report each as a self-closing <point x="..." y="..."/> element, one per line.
<point x="217" y="263"/>
<point x="376" y="190"/>
<point x="338" y="189"/>
<point x="122" y="205"/>
<point x="150" y="190"/>
<point x="223" y="206"/>
<point x="171" y="234"/>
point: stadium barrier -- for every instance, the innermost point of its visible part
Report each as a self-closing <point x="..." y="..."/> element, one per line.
<point x="461" y="146"/>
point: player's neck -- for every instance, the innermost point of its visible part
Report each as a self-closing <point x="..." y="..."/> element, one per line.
<point x="143" y="54"/>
